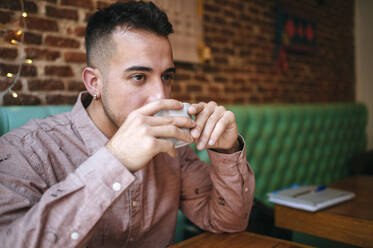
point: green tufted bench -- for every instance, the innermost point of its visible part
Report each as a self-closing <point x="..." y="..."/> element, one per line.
<point x="286" y="144"/>
<point x="303" y="144"/>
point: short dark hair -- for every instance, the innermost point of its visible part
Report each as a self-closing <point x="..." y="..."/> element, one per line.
<point x="137" y="15"/>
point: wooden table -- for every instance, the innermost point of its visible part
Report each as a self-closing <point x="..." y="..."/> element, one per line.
<point x="349" y="222"/>
<point x="236" y="240"/>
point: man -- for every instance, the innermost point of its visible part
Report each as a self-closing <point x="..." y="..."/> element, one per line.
<point x="104" y="174"/>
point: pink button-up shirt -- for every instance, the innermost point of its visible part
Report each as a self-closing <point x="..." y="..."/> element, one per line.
<point x="60" y="187"/>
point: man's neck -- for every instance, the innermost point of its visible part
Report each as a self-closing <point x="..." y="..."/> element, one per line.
<point x="97" y="114"/>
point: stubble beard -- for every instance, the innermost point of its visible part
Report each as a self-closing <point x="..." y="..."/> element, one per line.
<point x="106" y="107"/>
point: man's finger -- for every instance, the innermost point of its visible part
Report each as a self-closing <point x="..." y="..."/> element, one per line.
<point x="163" y="104"/>
<point x="170" y="131"/>
<point x="201" y="118"/>
<point x="179" y="121"/>
<point x="209" y="127"/>
<point x="165" y="146"/>
<point x="195" y="108"/>
<point x="218" y="131"/>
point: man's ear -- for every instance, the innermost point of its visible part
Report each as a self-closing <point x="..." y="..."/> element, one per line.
<point x="92" y="79"/>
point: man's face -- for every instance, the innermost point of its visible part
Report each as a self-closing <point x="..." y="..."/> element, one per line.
<point x="140" y="71"/>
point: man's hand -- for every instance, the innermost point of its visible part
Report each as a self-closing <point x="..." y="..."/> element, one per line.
<point x="215" y="127"/>
<point x="139" y="138"/>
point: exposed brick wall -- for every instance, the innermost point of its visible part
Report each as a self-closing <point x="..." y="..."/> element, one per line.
<point x="241" y="35"/>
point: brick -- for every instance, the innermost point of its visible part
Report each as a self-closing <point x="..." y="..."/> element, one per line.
<point x="61" y="71"/>
<point x="5" y="68"/>
<point x="229" y="13"/>
<point x="193" y="88"/>
<point x="101" y="5"/>
<point x="41" y="24"/>
<point x="78" y="3"/>
<point x="45" y="85"/>
<point x="39" y="54"/>
<point x="211" y="8"/>
<point x="236" y="6"/>
<point x="221" y="60"/>
<point x="202" y="78"/>
<point x="228" y="31"/>
<point x="87" y="16"/>
<point x="10" y="35"/>
<point x="80" y="31"/>
<point x="61" y="42"/>
<point x="5" y="16"/>
<point x="239" y="81"/>
<point x="51" y="55"/>
<point x="222" y="40"/>
<point x="62" y="13"/>
<point x="26" y="71"/>
<point x="181" y="97"/>
<point x="61" y="99"/>
<point x="50" y="1"/>
<point x="10" y="4"/>
<point x="30" y="7"/>
<point x="240" y="100"/>
<point x="214" y="90"/>
<point x="205" y="99"/>
<point x="8" y="53"/>
<point x="32" y="39"/>
<point x="182" y="77"/>
<point x="4" y="84"/>
<point x="210" y="69"/>
<point x="220" y="20"/>
<point x="176" y="88"/>
<point x="22" y="99"/>
<point x="221" y="79"/>
<point x="230" y="89"/>
<point x="75" y="57"/>
<point x="75" y="86"/>
<point x="228" y="51"/>
<point x="184" y="66"/>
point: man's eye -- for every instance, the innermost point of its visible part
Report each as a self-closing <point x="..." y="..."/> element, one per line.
<point x="168" y="77"/>
<point x="138" y="77"/>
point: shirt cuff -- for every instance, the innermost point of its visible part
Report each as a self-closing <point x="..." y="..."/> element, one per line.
<point x="226" y="164"/>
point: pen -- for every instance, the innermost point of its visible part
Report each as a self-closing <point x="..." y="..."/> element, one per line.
<point x="318" y="189"/>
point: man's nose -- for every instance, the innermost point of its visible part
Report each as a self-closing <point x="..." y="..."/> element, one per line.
<point x="158" y="91"/>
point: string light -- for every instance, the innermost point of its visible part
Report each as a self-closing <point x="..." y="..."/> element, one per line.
<point x="16" y="76"/>
<point x="14" y="94"/>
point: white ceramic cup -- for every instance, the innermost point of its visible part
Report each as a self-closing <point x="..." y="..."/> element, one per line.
<point x="181" y="112"/>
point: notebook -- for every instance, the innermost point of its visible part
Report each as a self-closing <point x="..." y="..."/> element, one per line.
<point x="310" y="197"/>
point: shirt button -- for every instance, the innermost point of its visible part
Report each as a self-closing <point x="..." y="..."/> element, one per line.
<point x="246" y="189"/>
<point x="74" y="236"/>
<point x="134" y="203"/>
<point x="116" y="186"/>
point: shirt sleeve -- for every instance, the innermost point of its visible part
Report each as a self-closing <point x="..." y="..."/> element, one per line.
<point x="32" y="214"/>
<point x="217" y="197"/>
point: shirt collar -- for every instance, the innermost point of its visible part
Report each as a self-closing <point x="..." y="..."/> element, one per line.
<point x="92" y="137"/>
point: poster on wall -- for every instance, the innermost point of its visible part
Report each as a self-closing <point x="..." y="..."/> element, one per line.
<point x="294" y="33"/>
<point x="185" y="17"/>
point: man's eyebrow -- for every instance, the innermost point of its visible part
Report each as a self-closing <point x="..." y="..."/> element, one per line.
<point x="171" y="69"/>
<point x="139" y="68"/>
